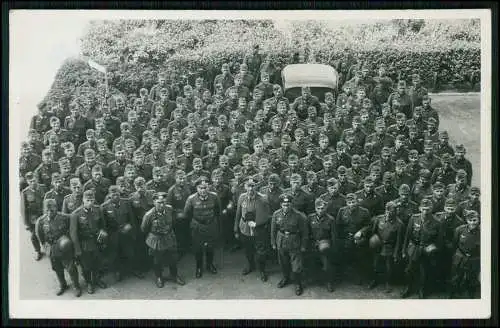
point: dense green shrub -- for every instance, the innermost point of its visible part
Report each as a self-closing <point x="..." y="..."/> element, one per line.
<point x="446" y="53"/>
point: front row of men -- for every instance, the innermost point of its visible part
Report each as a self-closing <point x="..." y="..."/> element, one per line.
<point x="441" y="245"/>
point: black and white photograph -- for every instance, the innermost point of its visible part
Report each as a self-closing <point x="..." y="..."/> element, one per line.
<point x="240" y="164"/>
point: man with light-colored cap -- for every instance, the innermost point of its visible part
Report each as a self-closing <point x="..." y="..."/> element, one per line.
<point x="352" y="226"/>
<point x="87" y="231"/>
<point x="450" y="221"/>
<point x="52" y="230"/>
<point x="472" y="203"/>
<point x="460" y="162"/>
<point x="321" y="226"/>
<point x="459" y="190"/>
<point x="289" y="236"/>
<point x="423" y="239"/>
<point x="385" y="241"/>
<point x="203" y="210"/>
<point x="157" y="224"/>
<point x="466" y="261"/>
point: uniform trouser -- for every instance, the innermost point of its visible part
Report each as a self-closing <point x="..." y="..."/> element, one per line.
<point x="257" y="247"/>
<point x="203" y="241"/>
<point x="418" y="269"/>
<point x="160" y="258"/>
<point x="141" y="253"/>
<point x="58" y="265"/>
<point x="326" y="259"/>
<point x="464" y="272"/>
<point x="182" y="234"/>
<point x="356" y="256"/>
<point x="290" y="261"/>
<point x="90" y="263"/>
<point x="385" y="261"/>
<point x="34" y="239"/>
<point x="121" y="252"/>
<point x="227" y="229"/>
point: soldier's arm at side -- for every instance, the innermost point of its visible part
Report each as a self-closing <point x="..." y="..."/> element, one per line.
<point x="237" y="216"/>
<point x="39" y="231"/>
<point x="73" y="233"/>
<point x="146" y="222"/>
<point x="399" y="238"/>
<point x="273" y="231"/>
<point x="23" y="210"/>
<point x="407" y="236"/>
<point x="188" y="208"/>
<point x="304" y="228"/>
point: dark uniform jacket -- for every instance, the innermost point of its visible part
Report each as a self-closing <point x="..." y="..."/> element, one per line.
<point x="302" y="201"/>
<point x="100" y="188"/>
<point x="390" y="233"/>
<point x="446" y="176"/>
<point x="449" y="223"/>
<point x="373" y="202"/>
<point x="289" y="231"/>
<point x="177" y="196"/>
<point x="58" y="195"/>
<point x="71" y="202"/>
<point x="158" y="228"/>
<point x="84" y="228"/>
<point x="272" y="196"/>
<point x="465" y="165"/>
<point x="32" y="203"/>
<point x="116" y="215"/>
<point x="348" y="222"/>
<point x="321" y="227"/>
<point x="421" y="233"/>
<point x="204" y="215"/>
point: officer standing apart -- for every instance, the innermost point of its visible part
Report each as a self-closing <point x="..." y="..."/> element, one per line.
<point x="289" y="235"/>
<point x="251" y="224"/>
<point x="87" y="230"/>
<point x="203" y="210"/>
<point x="158" y="226"/>
<point x="52" y="230"/>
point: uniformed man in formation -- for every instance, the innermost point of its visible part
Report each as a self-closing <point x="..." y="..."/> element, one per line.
<point x="363" y="181"/>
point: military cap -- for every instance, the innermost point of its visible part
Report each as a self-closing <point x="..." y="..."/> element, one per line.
<point x="157" y="169"/>
<point x="446" y="158"/>
<point x="293" y="156"/>
<point x="46" y="151"/>
<point x="355" y="159"/>
<point x="386" y="150"/>
<point x="75" y="181"/>
<point x="387" y="176"/>
<point x="197" y="160"/>
<point x="418" y="109"/>
<point x="438" y="185"/>
<point x="54" y="119"/>
<point x="101" y="142"/>
<point x="89" y="194"/>
<point x="450" y="202"/>
<point x="404" y="189"/>
<point x="400" y="116"/>
<point x="356" y="119"/>
<point x="350" y="197"/>
<point x="331" y="182"/>
<point x="400" y="137"/>
<point x="160" y="196"/>
<point x="97" y="168"/>
<point x="461" y="173"/>
<point x="113" y="188"/>
<point x="349" y="133"/>
<point x="24" y="144"/>
<point x="186" y="143"/>
<point x="401" y="83"/>
<point x="380" y="123"/>
<point x="311" y="175"/>
<point x="311" y="146"/>
<point x="29" y="176"/>
<point x="412" y="128"/>
<point x="285" y="198"/>
<point x="428" y="144"/>
<point x="139" y="181"/>
<point x="118" y="148"/>
<point x="237" y="169"/>
<point x="295" y="177"/>
<point x="319" y="202"/>
<point x="469" y="214"/>
<point x="341" y="169"/>
<point x="460" y="148"/>
<point x="341" y="145"/>
<point x="390" y="205"/>
<point x="475" y="190"/>
<point x="64" y="161"/>
<point x="202" y="180"/>
<point x="251" y="181"/>
<point x="368" y="146"/>
<point x="424" y="173"/>
<point x="49" y="201"/>
<point x="88" y="152"/>
<point x="368" y="179"/>
<point x="400" y="163"/>
<point x="274" y="178"/>
<point x="431" y="120"/>
<point x="426" y="97"/>
<point x="212" y="146"/>
<point x="426" y="203"/>
<point x="328" y="158"/>
<point x="443" y="134"/>
<point x="286" y="137"/>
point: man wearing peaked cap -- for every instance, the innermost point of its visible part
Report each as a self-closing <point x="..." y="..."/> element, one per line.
<point x="460" y="162"/>
<point x="289" y="236"/>
<point x="158" y="226"/>
<point x="204" y="210"/>
<point x="387" y="232"/>
<point x="87" y="231"/>
<point x="52" y="229"/>
<point x="422" y="241"/>
<point x="251" y="224"/>
<point x="466" y="259"/>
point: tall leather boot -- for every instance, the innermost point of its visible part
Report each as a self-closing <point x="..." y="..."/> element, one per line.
<point x="210" y="261"/>
<point x="262" y="269"/>
<point x="198" y="256"/>
<point x="73" y="274"/>
<point x="298" y="284"/>
<point x="87" y="275"/>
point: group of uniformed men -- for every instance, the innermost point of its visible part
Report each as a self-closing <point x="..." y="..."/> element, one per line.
<point x="364" y="180"/>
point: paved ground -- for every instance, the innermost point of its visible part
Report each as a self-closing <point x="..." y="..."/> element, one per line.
<point x="459" y="115"/>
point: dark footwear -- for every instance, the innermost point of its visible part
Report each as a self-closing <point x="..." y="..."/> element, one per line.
<point x="283" y="282"/>
<point x="159" y="282"/>
<point x="246" y="271"/>
<point x="179" y="281"/>
<point x="90" y="288"/>
<point x="298" y="290"/>
<point x="263" y="276"/>
<point x="118" y="276"/>
<point x="62" y="289"/>
<point x="406" y="292"/>
<point x="329" y="287"/>
<point x="38" y="256"/>
<point x="198" y="273"/>
<point x="78" y="291"/>
<point x="101" y="284"/>
<point x="372" y="284"/>
<point x="212" y="269"/>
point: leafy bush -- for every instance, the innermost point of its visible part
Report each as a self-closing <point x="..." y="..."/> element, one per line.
<point x="446" y="53"/>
